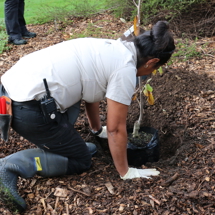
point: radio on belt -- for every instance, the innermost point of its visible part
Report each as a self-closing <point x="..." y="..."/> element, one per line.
<point x="48" y="105"/>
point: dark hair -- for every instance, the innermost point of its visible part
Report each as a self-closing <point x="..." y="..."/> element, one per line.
<point x="156" y="43"/>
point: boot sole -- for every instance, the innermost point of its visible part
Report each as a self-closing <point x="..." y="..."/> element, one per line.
<point x="11" y="42"/>
<point x="28" y="37"/>
<point x="8" y="199"/>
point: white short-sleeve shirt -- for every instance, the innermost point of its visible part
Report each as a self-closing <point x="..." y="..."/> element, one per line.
<point x="86" y="68"/>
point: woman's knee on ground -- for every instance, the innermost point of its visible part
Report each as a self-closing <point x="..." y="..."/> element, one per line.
<point x="78" y="166"/>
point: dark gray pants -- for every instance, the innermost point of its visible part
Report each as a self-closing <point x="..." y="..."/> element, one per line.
<point x="59" y="137"/>
<point x="14" y="18"/>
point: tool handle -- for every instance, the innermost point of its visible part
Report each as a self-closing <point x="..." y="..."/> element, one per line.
<point x="0" y="106"/>
<point x="3" y="105"/>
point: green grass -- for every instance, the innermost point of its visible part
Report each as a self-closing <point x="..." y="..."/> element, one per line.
<point x="3" y="35"/>
<point x="35" y="9"/>
<point x="185" y="50"/>
<point x="41" y="11"/>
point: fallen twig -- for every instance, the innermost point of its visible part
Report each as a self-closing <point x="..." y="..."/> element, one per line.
<point x="210" y="55"/>
<point x="154" y="199"/>
<point x="78" y="191"/>
<point x="56" y="203"/>
<point x="110" y="187"/>
<point x="99" y="170"/>
<point x="169" y="181"/>
<point x="67" y="208"/>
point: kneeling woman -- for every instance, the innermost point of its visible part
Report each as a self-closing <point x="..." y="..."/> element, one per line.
<point x="86" y="69"/>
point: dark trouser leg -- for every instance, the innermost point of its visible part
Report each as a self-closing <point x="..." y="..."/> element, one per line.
<point x="73" y="112"/>
<point x="12" y="19"/>
<point x="21" y="18"/>
<point x="57" y="137"/>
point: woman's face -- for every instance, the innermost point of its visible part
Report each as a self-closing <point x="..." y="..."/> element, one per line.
<point x="148" y="67"/>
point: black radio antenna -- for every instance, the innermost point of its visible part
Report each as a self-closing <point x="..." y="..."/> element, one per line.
<point x="47" y="88"/>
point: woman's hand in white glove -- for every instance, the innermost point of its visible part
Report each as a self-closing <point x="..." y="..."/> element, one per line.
<point x="140" y="173"/>
<point x="102" y="133"/>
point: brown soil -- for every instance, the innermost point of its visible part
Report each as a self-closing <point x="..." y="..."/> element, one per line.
<point x="183" y="114"/>
<point x="196" y="21"/>
<point x="141" y="140"/>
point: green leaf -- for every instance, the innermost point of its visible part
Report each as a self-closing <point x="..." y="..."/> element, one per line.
<point x="160" y="70"/>
<point x="149" y="88"/>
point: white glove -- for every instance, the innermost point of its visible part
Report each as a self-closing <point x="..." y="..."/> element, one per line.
<point x="103" y="134"/>
<point x="140" y="173"/>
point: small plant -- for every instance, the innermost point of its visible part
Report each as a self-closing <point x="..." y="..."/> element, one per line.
<point x="136" y="33"/>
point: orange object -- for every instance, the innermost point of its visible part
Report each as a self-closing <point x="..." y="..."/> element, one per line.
<point x="136" y="26"/>
<point x="3" y="105"/>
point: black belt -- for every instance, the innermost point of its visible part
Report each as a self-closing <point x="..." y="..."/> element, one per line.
<point x="32" y="103"/>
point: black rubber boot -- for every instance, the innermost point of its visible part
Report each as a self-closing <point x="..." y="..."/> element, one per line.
<point x="26" y="164"/>
<point x="29" y="34"/>
<point x="17" y="41"/>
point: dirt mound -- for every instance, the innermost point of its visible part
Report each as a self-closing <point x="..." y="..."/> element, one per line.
<point x="197" y="21"/>
<point x="176" y="94"/>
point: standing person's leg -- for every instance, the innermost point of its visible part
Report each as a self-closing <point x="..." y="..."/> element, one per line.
<point x="11" y="19"/>
<point x="12" y="22"/>
<point x="21" y="18"/>
<point x="25" y="33"/>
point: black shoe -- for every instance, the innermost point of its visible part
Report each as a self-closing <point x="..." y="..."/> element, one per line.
<point x="17" y="41"/>
<point x="29" y="34"/>
<point x="92" y="148"/>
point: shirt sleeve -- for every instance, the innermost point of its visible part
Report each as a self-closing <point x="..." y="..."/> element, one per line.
<point x="121" y="85"/>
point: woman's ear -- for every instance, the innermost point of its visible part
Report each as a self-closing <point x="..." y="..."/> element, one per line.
<point x="152" y="62"/>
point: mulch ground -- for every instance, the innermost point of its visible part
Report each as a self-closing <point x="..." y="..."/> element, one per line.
<point x="183" y="114"/>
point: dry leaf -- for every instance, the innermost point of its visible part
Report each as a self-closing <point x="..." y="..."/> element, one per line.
<point x="134" y="97"/>
<point x="151" y="99"/>
<point x="207" y="179"/>
<point x="199" y="145"/>
<point x="86" y="189"/>
<point x="154" y="199"/>
<point x="122" y="20"/>
<point x="136" y="26"/>
<point x="146" y="92"/>
<point x="152" y="203"/>
<point x="90" y="210"/>
<point x="121" y="208"/>
<point x="30" y="195"/>
<point x="154" y="72"/>
<point x="59" y="192"/>
<point x="43" y="202"/>
<point x="110" y="187"/>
